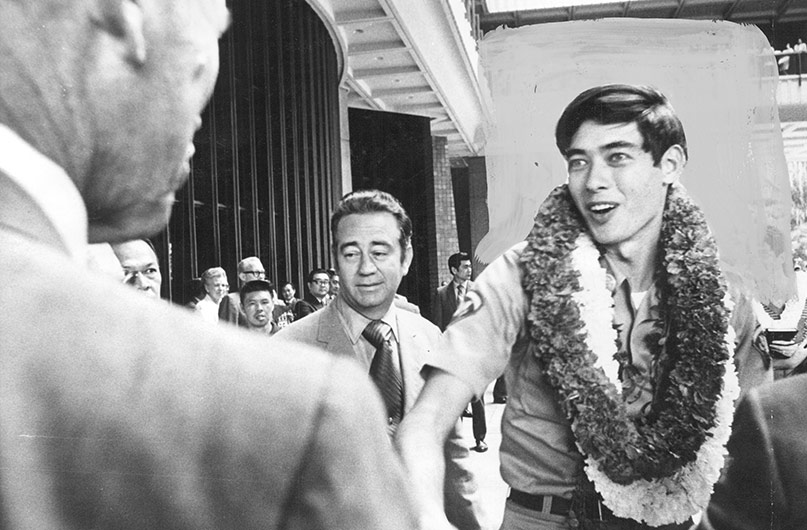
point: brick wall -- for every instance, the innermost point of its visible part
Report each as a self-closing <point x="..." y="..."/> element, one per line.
<point x="445" y="217"/>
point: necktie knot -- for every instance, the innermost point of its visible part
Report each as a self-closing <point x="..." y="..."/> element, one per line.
<point x="376" y="333"/>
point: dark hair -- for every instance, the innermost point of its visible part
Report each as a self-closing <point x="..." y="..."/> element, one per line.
<point x="454" y="260"/>
<point x="256" y="285"/>
<point x="314" y="272"/>
<point x="373" y="201"/>
<point x="609" y="104"/>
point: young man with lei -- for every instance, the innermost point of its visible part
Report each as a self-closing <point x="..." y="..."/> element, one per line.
<point x="617" y="333"/>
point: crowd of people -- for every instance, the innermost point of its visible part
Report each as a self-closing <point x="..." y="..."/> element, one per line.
<point x="792" y="60"/>
<point x="117" y="411"/>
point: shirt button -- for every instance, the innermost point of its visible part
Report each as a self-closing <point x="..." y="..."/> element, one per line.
<point x="390" y="421"/>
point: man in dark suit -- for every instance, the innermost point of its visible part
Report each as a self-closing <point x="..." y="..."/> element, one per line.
<point x="763" y="486"/>
<point x="445" y="303"/>
<point x="118" y="412"/>
<point x="319" y="283"/>
<point x="372" y="250"/>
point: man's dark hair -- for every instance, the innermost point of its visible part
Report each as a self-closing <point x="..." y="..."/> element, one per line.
<point x="373" y="201"/>
<point x="256" y="285"/>
<point x="454" y="260"/>
<point x="314" y="272"/>
<point x="612" y="104"/>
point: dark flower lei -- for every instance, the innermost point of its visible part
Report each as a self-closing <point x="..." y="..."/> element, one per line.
<point x="689" y="353"/>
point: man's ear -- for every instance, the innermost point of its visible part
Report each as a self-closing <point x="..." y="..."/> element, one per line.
<point x="123" y="21"/>
<point x="672" y="164"/>
<point x="408" y="254"/>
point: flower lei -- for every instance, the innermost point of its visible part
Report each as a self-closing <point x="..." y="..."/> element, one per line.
<point x="658" y="468"/>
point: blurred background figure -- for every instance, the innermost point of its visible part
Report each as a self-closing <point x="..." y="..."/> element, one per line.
<point x="785" y="331"/>
<point x="141" y="269"/>
<point x="284" y="312"/>
<point x="446" y="300"/>
<point x="258" y="301"/>
<point x="216" y="287"/>
<point x="230" y="309"/>
<point x="333" y="290"/>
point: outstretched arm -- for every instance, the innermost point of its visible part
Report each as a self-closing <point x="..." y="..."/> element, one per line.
<point x="422" y="436"/>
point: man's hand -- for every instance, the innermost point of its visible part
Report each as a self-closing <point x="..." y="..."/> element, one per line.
<point x="420" y="440"/>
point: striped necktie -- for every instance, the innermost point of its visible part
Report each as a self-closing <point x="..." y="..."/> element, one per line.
<point x="384" y="372"/>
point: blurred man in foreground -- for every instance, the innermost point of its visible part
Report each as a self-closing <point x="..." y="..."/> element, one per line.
<point x="118" y="412"/>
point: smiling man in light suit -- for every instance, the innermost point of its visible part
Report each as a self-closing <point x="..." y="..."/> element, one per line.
<point x="372" y="250"/>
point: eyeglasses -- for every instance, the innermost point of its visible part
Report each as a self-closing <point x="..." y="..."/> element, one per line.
<point x="255" y="273"/>
<point x="321" y="282"/>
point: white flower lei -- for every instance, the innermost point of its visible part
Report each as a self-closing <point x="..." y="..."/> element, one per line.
<point x="672" y="499"/>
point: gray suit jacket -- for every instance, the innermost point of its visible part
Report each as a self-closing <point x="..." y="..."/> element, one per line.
<point x="418" y="336"/>
<point x="118" y="411"/>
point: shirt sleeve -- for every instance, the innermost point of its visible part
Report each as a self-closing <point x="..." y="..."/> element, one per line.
<point x="477" y="344"/>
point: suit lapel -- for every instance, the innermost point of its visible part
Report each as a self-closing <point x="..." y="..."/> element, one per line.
<point x="330" y="333"/>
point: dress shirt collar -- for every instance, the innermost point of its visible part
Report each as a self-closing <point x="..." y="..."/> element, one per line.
<point x="355" y="322"/>
<point x="457" y="284"/>
<point x="51" y="190"/>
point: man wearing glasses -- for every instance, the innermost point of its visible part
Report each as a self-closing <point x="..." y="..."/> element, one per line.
<point x="319" y="284"/>
<point x="230" y="308"/>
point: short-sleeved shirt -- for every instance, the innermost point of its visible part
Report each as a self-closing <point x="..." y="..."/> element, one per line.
<point x="489" y="336"/>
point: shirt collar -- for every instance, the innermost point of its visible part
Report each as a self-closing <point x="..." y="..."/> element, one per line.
<point x="355" y="322"/>
<point x="49" y="187"/>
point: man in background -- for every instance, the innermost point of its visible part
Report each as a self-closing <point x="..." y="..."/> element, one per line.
<point x="319" y="283"/>
<point x="372" y="250"/>
<point x="118" y="412"/>
<point x="333" y="290"/>
<point x="141" y="268"/>
<point x="446" y="301"/>
<point x="257" y="299"/>
<point x="230" y="309"/>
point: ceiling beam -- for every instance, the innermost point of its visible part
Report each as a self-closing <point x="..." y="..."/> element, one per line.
<point x="373" y="48"/>
<point x="406" y="91"/>
<point x="380" y="72"/>
<point x="364" y="16"/>
<point x="421" y="106"/>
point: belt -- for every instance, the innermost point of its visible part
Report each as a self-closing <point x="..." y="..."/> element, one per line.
<point x="595" y="510"/>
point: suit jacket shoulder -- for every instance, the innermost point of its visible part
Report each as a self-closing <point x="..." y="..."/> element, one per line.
<point x="762" y="487"/>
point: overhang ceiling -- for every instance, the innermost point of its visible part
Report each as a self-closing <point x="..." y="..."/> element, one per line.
<point x="746" y="11"/>
<point x="418" y="56"/>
